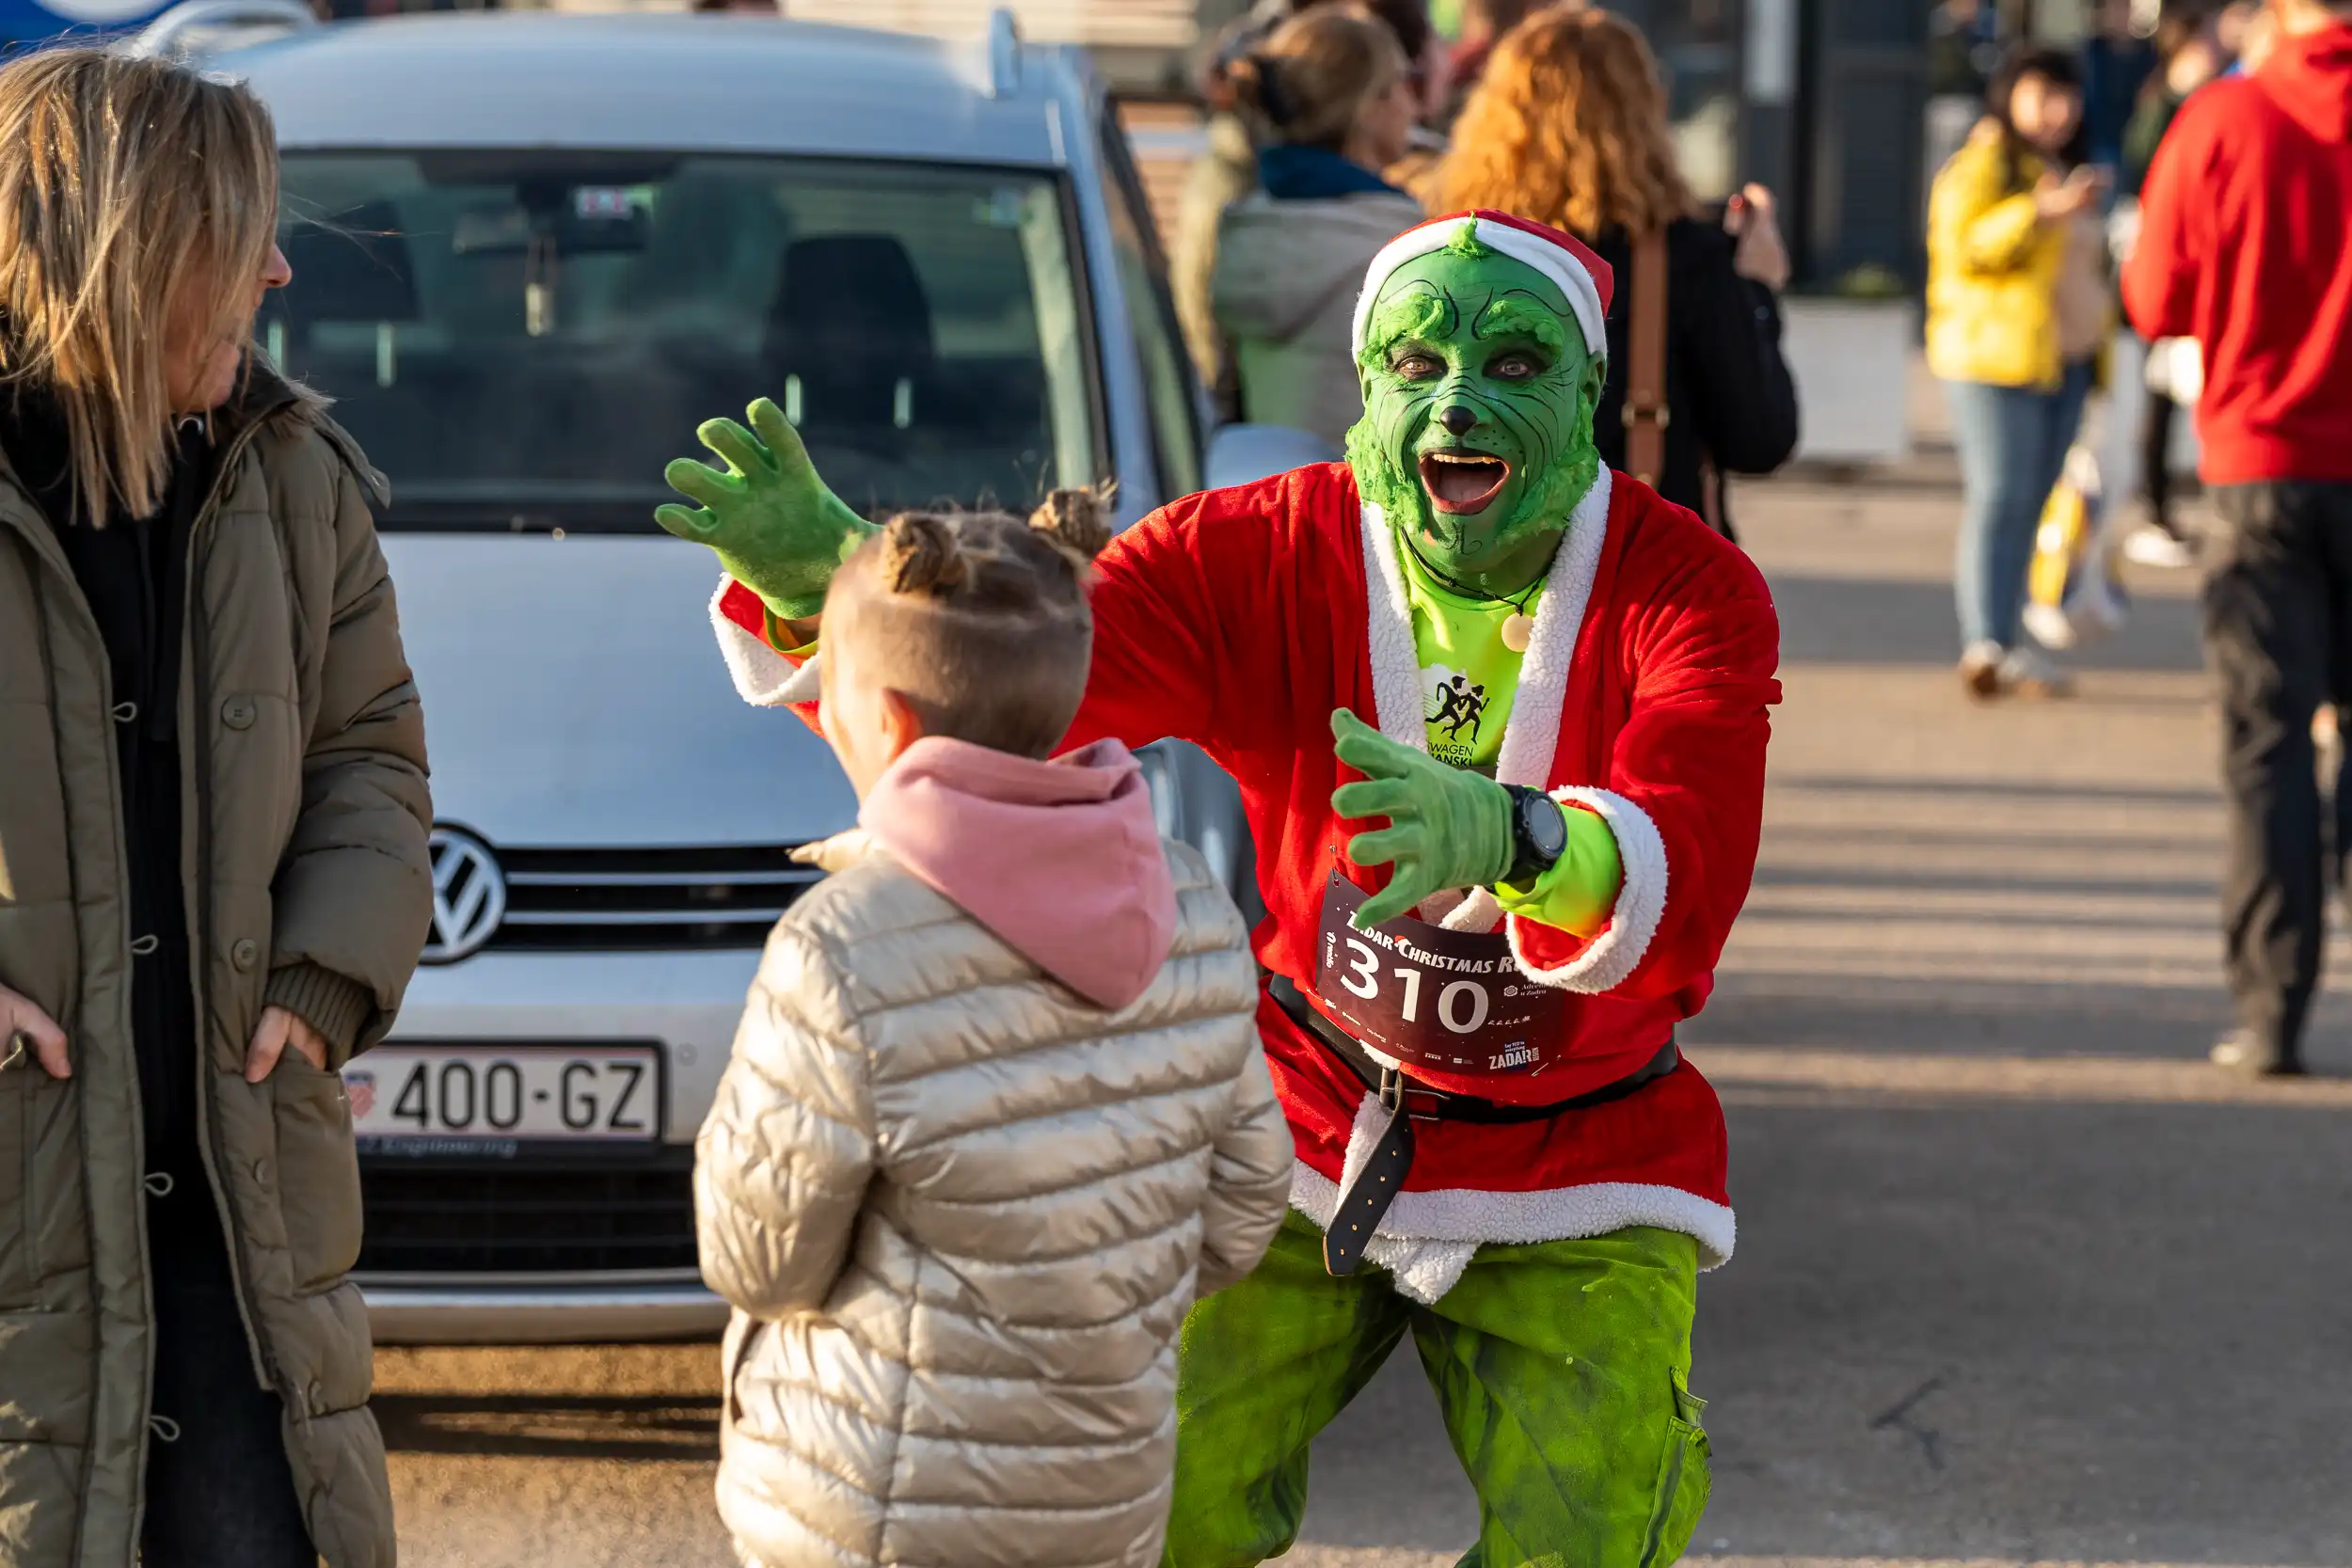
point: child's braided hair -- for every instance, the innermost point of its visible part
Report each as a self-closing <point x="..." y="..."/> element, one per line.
<point x="979" y="619"/>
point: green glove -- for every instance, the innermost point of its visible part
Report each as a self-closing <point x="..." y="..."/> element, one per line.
<point x="1447" y="829"/>
<point x="769" y="518"/>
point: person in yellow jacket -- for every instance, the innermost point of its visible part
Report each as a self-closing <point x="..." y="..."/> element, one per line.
<point x="2017" y="305"/>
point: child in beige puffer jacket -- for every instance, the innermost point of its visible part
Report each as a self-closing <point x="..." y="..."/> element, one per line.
<point x="997" y="1113"/>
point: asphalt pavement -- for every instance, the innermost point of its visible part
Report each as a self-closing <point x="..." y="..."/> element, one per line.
<point x="2019" y="1279"/>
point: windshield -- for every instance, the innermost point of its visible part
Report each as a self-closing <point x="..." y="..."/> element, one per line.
<point x="523" y="339"/>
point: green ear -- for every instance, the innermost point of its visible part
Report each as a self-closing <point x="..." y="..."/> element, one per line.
<point x="1468" y="245"/>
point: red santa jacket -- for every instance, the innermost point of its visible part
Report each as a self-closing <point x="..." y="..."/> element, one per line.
<point x="1239" y="618"/>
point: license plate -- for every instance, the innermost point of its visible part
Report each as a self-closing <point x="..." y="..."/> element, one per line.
<point x="552" y="1094"/>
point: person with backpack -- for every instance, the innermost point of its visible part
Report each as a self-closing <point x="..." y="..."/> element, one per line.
<point x="1569" y="127"/>
<point x="2243" y="220"/>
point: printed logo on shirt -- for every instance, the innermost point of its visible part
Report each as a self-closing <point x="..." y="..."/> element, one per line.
<point x="1452" y="704"/>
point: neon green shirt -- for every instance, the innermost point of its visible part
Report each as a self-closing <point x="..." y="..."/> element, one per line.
<point x="1468" y="677"/>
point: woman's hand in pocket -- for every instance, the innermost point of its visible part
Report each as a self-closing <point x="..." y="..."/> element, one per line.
<point x="278" y="1029"/>
<point x="25" y="1029"/>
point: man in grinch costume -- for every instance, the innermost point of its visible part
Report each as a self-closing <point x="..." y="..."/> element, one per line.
<point x="1498" y="717"/>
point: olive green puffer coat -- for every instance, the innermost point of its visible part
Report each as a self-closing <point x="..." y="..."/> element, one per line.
<point x="303" y="750"/>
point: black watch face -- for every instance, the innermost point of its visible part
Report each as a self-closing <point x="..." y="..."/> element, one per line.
<point x="1547" y="827"/>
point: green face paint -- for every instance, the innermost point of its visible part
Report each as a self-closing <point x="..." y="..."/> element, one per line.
<point x="1477" y="435"/>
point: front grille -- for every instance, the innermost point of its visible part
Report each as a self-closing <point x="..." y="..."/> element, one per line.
<point x="489" y="1219"/>
<point x="567" y="900"/>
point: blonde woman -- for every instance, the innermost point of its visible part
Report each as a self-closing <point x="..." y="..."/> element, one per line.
<point x="214" y="881"/>
<point x="1331" y="101"/>
<point x="1569" y="127"/>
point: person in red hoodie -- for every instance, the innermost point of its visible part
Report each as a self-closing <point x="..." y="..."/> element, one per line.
<point x="2243" y="246"/>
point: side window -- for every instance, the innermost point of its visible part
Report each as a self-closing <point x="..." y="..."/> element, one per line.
<point x="1168" y="374"/>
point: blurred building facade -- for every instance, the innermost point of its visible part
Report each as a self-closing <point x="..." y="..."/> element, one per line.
<point x="1834" y="117"/>
<point x="1822" y="100"/>
<point x="1136" y="43"/>
<point x="1825" y="101"/>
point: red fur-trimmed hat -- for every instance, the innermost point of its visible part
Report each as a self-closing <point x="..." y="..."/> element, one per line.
<point x="1560" y="256"/>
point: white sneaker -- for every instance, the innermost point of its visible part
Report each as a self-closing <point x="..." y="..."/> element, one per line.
<point x="1980" y="668"/>
<point x="2150" y="545"/>
<point x="2024" y="673"/>
<point x="2237" y="1051"/>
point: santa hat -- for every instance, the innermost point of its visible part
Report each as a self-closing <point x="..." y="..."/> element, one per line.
<point x="1567" y="261"/>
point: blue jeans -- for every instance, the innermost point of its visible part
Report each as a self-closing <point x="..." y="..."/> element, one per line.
<point x="2012" y="447"/>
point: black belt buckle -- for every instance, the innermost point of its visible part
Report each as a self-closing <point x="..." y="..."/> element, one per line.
<point x="1361" y="1205"/>
<point x="1366" y="1201"/>
<point x="1424" y="1103"/>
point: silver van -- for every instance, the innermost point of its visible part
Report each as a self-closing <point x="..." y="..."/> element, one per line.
<point x="531" y="253"/>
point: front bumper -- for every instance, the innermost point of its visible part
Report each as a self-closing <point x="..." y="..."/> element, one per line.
<point x="543" y="1310"/>
<point x="689" y="1001"/>
<point x="495" y="1278"/>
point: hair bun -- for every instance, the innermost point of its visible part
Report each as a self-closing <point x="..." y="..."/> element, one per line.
<point x="1257" y="81"/>
<point x="1075" y="520"/>
<point x="920" y="555"/>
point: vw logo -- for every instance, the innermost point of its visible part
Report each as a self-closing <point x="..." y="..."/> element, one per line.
<point x="469" y="896"/>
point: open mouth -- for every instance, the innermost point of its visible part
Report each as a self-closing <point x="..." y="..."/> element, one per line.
<point x="1462" y="480"/>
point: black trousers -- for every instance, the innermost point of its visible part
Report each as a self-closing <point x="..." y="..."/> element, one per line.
<point x="220" y="1491"/>
<point x="2278" y="636"/>
<point x="2155" y="458"/>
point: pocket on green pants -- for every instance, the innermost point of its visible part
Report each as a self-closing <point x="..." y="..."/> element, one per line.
<point x="1683" y="1482"/>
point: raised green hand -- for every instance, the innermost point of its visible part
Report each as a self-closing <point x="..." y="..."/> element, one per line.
<point x="1447" y="829"/>
<point x="769" y="518"/>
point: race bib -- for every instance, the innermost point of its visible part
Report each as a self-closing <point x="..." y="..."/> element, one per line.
<point x="1453" y="1001"/>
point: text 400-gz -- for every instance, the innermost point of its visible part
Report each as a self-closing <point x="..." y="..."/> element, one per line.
<point x="586" y="1094"/>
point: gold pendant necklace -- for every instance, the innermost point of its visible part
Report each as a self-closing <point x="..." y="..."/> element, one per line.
<point x="1518" y="627"/>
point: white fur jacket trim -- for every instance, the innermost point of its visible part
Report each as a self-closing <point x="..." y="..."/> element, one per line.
<point x="1616" y="953"/>
<point x="1426" y="1237"/>
<point x="763" y="677"/>
<point x="1426" y="1240"/>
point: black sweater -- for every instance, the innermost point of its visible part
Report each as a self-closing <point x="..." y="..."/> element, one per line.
<point x="132" y="574"/>
<point x="1728" y="395"/>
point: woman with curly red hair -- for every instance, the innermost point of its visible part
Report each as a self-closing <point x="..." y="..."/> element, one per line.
<point x="1569" y="127"/>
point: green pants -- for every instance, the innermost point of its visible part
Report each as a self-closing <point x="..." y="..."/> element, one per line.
<point x="1559" y="1368"/>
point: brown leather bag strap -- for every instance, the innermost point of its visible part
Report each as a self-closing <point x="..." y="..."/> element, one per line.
<point x="1645" y="414"/>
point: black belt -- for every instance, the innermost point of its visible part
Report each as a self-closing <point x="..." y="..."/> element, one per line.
<point x="1375" y="1187"/>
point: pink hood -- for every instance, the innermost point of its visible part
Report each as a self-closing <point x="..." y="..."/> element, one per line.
<point x="1060" y="859"/>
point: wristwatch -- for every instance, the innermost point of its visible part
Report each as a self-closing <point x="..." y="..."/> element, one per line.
<point x="1539" y="834"/>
